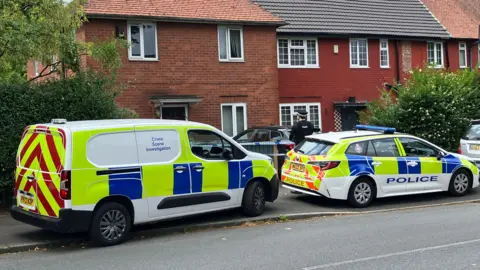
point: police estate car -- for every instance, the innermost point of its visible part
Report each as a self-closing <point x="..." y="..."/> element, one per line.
<point x="373" y="162"/>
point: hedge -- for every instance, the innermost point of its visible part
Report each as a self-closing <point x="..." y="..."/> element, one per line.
<point x="85" y="96"/>
<point x="432" y="104"/>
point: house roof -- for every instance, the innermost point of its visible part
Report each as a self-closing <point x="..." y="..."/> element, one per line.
<point x="407" y="18"/>
<point x="460" y="17"/>
<point x="243" y="11"/>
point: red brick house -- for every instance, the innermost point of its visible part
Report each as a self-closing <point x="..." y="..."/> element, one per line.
<point x="461" y="18"/>
<point x="335" y="55"/>
<point x="208" y="61"/>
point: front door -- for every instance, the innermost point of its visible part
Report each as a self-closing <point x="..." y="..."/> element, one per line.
<point x="174" y="112"/>
<point x="215" y="180"/>
<point x="349" y="118"/>
<point x="424" y="169"/>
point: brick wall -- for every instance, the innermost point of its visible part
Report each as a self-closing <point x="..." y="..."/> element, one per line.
<point x="188" y="65"/>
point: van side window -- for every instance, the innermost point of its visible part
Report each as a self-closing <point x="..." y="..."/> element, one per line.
<point x="208" y="145"/>
<point x="357" y="148"/>
<point x="157" y="146"/>
<point x="113" y="149"/>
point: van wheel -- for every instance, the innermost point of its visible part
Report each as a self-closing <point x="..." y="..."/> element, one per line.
<point x="254" y="199"/>
<point x="361" y="193"/>
<point x="111" y="224"/>
<point x="460" y="183"/>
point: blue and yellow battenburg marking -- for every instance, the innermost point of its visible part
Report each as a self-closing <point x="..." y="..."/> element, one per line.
<point x="126" y="184"/>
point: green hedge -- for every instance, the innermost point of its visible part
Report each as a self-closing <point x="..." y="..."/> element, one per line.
<point x="432" y="104"/>
<point x="82" y="97"/>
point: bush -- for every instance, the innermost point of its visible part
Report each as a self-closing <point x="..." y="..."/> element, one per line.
<point x="433" y="105"/>
<point x="83" y="97"/>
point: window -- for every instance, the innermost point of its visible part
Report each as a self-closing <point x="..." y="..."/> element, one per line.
<point x="463" y="54"/>
<point x="358" y="53"/>
<point x="143" y="41"/>
<point x="230" y="43"/>
<point x="371" y="150"/>
<point x="113" y="149"/>
<point x="435" y="54"/>
<point x="54" y="66"/>
<point x="416" y="148"/>
<point x="157" y="146"/>
<point x="209" y="145"/>
<point x="385" y="148"/>
<point x="261" y="135"/>
<point x="297" y="52"/>
<point x="275" y="135"/>
<point x="384" y="57"/>
<point x="288" y="113"/>
<point x="357" y="148"/>
<point x="35" y="68"/>
<point x="234" y="118"/>
<point x="245" y="136"/>
<point x="314" y="147"/>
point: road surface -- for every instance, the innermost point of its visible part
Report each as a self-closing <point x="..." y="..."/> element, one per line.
<point x="431" y="238"/>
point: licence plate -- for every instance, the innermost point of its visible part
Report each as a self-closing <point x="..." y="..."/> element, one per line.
<point x="296" y="182"/>
<point x="298" y="167"/>
<point x="475" y="147"/>
<point x="27" y="201"/>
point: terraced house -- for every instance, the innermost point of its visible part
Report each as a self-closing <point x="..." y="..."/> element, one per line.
<point x="208" y="61"/>
<point x="334" y="55"/>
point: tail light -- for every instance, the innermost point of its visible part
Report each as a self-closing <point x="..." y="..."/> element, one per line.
<point x="460" y="149"/>
<point x="325" y="165"/>
<point x="65" y="185"/>
<point x="290" y="146"/>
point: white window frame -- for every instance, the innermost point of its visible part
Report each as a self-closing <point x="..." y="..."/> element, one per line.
<point x="142" y="56"/>
<point x="358" y="54"/>
<point x="227" y="40"/>
<point x="35" y="68"/>
<point x="289" y="42"/>
<point x="234" y="115"/>
<point x="435" y="58"/>
<point x="384" y="50"/>
<point x="460" y="49"/>
<point x="308" y="105"/>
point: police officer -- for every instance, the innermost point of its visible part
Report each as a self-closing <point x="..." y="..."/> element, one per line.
<point x="301" y="129"/>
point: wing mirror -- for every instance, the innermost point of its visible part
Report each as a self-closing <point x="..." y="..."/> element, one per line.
<point x="227" y="154"/>
<point x="440" y="155"/>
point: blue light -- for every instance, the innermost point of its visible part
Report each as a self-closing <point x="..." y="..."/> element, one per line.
<point x="386" y="130"/>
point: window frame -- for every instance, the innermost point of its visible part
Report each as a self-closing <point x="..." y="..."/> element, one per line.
<point x="227" y="41"/>
<point x="358" y="53"/>
<point x="142" y="53"/>
<point x="384" y="50"/>
<point x="292" y="105"/>
<point x="305" y="47"/>
<point x="435" y="56"/>
<point x="464" y="44"/>
<point x="35" y="68"/>
<point x="234" y="116"/>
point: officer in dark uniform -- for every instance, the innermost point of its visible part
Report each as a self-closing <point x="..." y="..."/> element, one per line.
<point x="301" y="129"/>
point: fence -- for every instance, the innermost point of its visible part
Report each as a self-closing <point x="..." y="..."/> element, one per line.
<point x="275" y="150"/>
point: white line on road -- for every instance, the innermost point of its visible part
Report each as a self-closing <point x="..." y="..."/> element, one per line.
<point x="391" y="255"/>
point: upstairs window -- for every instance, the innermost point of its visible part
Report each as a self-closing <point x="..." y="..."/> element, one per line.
<point x="435" y="54"/>
<point x="462" y="48"/>
<point x="297" y="52"/>
<point x="358" y="53"/>
<point x="230" y="43"/>
<point x="143" y="41"/>
<point x="384" y="59"/>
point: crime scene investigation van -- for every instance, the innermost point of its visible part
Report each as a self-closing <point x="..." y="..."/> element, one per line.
<point x="105" y="176"/>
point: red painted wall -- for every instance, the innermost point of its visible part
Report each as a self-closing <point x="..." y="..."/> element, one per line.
<point x="335" y="80"/>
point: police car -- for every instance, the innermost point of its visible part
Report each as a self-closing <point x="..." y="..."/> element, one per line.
<point x="373" y="162"/>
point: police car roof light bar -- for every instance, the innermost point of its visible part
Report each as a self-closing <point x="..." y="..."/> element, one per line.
<point x="386" y="130"/>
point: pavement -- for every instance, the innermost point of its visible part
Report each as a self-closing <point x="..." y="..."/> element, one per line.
<point x="427" y="238"/>
<point x="16" y="236"/>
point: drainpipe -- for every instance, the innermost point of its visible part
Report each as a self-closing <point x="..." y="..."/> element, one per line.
<point x="447" y="64"/>
<point x="397" y="60"/>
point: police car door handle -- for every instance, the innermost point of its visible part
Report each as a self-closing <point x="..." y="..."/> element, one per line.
<point x="376" y="163"/>
<point x="198" y="167"/>
<point x="412" y="163"/>
<point x="180" y="169"/>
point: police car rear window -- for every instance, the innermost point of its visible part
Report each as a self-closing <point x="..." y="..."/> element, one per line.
<point x="314" y="147"/>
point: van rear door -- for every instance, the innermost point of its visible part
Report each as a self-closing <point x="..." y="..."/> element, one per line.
<point x="40" y="168"/>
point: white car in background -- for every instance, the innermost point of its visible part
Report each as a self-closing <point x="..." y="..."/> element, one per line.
<point x="470" y="143"/>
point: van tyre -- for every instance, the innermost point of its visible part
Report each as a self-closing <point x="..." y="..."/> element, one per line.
<point x="111" y="224"/>
<point x="361" y="193"/>
<point x="460" y="183"/>
<point x="254" y="199"/>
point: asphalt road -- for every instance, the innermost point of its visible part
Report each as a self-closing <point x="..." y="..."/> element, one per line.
<point x="431" y="238"/>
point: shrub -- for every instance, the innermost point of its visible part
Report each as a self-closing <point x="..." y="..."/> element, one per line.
<point x="83" y="97"/>
<point x="433" y="105"/>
